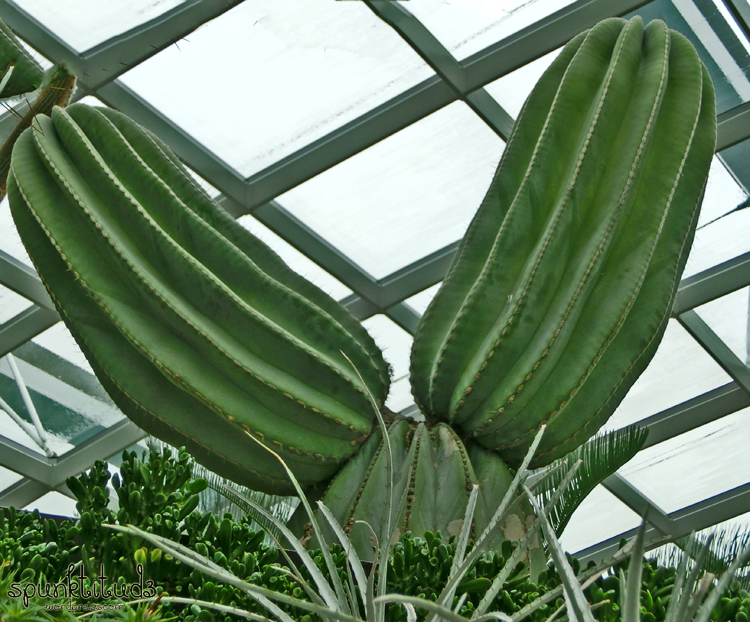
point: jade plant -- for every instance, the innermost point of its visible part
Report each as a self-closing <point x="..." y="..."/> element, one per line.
<point x="555" y="302"/>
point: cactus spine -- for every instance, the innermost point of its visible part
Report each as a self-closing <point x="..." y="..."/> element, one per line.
<point x="564" y="282"/>
<point x="198" y="330"/>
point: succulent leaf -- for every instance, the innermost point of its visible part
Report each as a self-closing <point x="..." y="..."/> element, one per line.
<point x="117" y="229"/>
<point x="563" y="285"/>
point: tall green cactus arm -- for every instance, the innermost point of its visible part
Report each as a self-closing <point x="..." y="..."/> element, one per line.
<point x="27" y="74"/>
<point x="57" y="88"/>
<point x="193" y="325"/>
<point x="563" y="287"/>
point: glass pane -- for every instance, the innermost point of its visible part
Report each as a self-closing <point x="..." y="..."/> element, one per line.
<point x="405" y="197"/>
<point x="11" y="304"/>
<point x="70" y="402"/>
<point x="599" y="517"/>
<point x="512" y="89"/>
<point x="58" y="340"/>
<point x="54" y="504"/>
<point x="395" y="343"/>
<point x="469" y="26"/>
<point x="10" y="241"/>
<point x="7" y="477"/>
<point x="295" y="259"/>
<point x="419" y="301"/>
<point x="86" y="23"/>
<point x="723" y="194"/>
<point x="712" y="458"/>
<point x="680" y="370"/>
<point x="722" y="240"/>
<point x="295" y="69"/>
<point x="728" y="318"/>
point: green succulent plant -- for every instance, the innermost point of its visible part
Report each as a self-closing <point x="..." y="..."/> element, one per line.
<point x="555" y="302"/>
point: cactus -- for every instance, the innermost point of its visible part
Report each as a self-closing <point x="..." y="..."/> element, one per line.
<point x="116" y="229"/>
<point x="554" y="304"/>
<point x="26" y="73"/>
<point x="563" y="285"/>
<point x="434" y="472"/>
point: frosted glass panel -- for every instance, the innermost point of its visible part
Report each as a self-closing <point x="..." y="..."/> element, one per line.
<point x="11" y="304"/>
<point x="58" y="339"/>
<point x="405" y="197"/>
<point x="86" y="23"/>
<point x="723" y="194"/>
<point x="55" y="504"/>
<point x="469" y="26"/>
<point x="699" y="464"/>
<point x="727" y="316"/>
<point x="511" y="90"/>
<point x="296" y="260"/>
<point x="680" y="370"/>
<point x="395" y="343"/>
<point x="10" y="241"/>
<point x="599" y="517"/>
<point x="284" y="74"/>
<point x="718" y="242"/>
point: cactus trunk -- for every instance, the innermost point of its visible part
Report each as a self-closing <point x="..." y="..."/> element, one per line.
<point x="564" y="282"/>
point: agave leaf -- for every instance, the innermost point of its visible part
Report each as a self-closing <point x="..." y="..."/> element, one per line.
<point x="351" y="554"/>
<point x="325" y="589"/>
<point x="207" y="567"/>
<point x="631" y="610"/>
<point x="193" y="601"/>
<point x="448" y="593"/>
<point x="508" y="500"/>
<point x="602" y="456"/>
<point x="578" y="606"/>
<point x="442" y="612"/>
<point x="497" y="584"/>
<point x="671" y="615"/>
<point x="6" y="77"/>
<point x="703" y="587"/>
<point x="713" y="598"/>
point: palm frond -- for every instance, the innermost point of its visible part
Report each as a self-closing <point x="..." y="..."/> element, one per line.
<point x="601" y="457"/>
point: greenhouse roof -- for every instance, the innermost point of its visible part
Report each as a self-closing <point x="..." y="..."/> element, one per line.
<point x="357" y="139"/>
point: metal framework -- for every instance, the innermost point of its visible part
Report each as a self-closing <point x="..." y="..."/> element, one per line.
<point x="99" y="69"/>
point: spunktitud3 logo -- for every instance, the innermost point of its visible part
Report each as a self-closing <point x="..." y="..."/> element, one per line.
<point x="73" y="586"/>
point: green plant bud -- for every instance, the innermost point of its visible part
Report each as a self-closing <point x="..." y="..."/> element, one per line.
<point x="197" y="485"/>
<point x="159" y="499"/>
<point x="140" y="556"/>
<point x="155" y="555"/>
<point x="28" y="575"/>
<point x="134" y="502"/>
<point x="563" y="285"/>
<point x="76" y="488"/>
<point x="189" y="506"/>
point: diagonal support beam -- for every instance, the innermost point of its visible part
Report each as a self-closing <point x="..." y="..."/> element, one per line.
<point x="25" y="326"/>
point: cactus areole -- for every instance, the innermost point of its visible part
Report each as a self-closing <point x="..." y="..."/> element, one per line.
<point x="555" y="301"/>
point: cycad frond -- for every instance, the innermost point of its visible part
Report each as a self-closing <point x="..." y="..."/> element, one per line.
<point x="601" y="457"/>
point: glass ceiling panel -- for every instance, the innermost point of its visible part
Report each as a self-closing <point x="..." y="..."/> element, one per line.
<point x="512" y="89"/>
<point x="293" y="68"/>
<point x="10" y="241"/>
<point x="58" y="340"/>
<point x="728" y="318"/>
<point x="680" y="370"/>
<point x="723" y="194"/>
<point x="469" y="26"/>
<point x="405" y="197"/>
<point x="713" y="458"/>
<point x="54" y="504"/>
<point x="395" y="343"/>
<point x="295" y="259"/>
<point x="8" y="478"/>
<point x="718" y="242"/>
<point x="71" y="403"/>
<point x="86" y="23"/>
<point x="11" y="304"/>
<point x="600" y="516"/>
